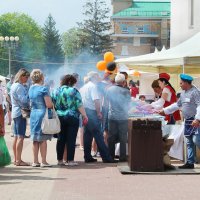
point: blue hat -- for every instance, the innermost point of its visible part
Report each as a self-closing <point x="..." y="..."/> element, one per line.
<point x="186" y="77"/>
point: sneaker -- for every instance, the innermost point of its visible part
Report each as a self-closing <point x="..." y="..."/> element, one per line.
<point x="81" y="148"/>
<point x="35" y="165"/>
<point x="45" y="165"/>
<point x="94" y="153"/>
<point x="91" y="160"/>
<point x="110" y="161"/>
<point x="187" y="166"/>
<point x="61" y="163"/>
<point x="71" y="163"/>
<point x="98" y="154"/>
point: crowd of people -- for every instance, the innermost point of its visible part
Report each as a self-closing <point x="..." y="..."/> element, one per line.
<point x="98" y="110"/>
<point x="89" y="109"/>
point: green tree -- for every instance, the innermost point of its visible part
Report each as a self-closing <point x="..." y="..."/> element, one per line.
<point x="96" y="27"/>
<point x="73" y="43"/>
<point x="53" y="51"/>
<point x="30" y="46"/>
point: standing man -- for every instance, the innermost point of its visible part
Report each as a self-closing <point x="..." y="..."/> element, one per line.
<point x="92" y="104"/>
<point x="189" y="101"/>
<point x="119" y="103"/>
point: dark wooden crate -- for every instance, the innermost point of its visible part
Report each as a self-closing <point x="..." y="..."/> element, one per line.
<point x="145" y="149"/>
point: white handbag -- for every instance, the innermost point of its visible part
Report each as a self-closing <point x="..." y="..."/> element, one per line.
<point x="50" y="126"/>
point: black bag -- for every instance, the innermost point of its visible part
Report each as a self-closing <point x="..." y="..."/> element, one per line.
<point x="25" y="112"/>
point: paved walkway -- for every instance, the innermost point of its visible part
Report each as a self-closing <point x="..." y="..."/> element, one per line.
<point x="89" y="181"/>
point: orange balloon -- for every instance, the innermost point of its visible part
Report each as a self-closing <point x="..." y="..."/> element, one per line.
<point x="101" y="65"/>
<point x="109" y="57"/>
<point x="136" y="73"/>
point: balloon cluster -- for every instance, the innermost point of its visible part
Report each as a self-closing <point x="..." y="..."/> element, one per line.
<point x="108" y="63"/>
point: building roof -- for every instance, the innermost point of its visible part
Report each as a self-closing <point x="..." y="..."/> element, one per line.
<point x="146" y="9"/>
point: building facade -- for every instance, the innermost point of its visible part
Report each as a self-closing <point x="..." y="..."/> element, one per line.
<point x="140" y="26"/>
<point x="185" y="20"/>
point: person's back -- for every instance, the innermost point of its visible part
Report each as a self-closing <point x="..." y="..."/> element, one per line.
<point x="36" y="95"/>
<point x="119" y="101"/>
<point x="89" y="93"/>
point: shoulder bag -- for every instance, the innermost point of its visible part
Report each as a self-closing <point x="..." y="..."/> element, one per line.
<point x="50" y="126"/>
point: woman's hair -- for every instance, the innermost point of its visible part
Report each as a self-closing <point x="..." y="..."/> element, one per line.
<point x="36" y="76"/>
<point x="20" y="73"/>
<point x="68" y="80"/>
<point x="166" y="82"/>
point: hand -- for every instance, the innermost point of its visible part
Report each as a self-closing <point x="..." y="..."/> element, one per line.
<point x="196" y="123"/>
<point x="99" y="115"/>
<point x="85" y="120"/>
<point x="160" y="112"/>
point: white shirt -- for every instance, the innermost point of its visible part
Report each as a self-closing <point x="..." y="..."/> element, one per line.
<point x="89" y="93"/>
<point x="160" y="103"/>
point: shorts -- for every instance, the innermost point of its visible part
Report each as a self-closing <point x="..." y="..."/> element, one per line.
<point x="19" y="126"/>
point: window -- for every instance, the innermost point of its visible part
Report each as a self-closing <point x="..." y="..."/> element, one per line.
<point x="124" y="30"/>
<point x="164" y="13"/>
<point x="140" y="29"/>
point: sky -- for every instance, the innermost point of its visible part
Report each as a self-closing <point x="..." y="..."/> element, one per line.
<point x="65" y="12"/>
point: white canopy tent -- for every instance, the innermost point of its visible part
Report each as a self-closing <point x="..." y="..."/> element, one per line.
<point x="176" y="56"/>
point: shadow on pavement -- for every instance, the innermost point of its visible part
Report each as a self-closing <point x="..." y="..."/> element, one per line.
<point x="8" y="183"/>
<point x="83" y="165"/>
<point x="27" y="177"/>
<point x="19" y="170"/>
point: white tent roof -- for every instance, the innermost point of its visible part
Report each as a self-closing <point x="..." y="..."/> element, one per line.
<point x="171" y="57"/>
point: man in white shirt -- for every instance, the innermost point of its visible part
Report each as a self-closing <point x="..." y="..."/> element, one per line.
<point x="92" y="103"/>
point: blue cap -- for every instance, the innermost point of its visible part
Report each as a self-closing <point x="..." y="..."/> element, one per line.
<point x="186" y="77"/>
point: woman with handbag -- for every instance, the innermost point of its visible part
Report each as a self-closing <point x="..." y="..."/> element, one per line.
<point x="19" y="99"/>
<point x="40" y="100"/>
<point x="68" y="104"/>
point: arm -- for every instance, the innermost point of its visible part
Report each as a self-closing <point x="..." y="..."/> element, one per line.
<point x="158" y="104"/>
<point x="48" y="102"/>
<point x="98" y="108"/>
<point x="20" y="95"/>
<point x="171" y="109"/>
<point x="196" y="122"/>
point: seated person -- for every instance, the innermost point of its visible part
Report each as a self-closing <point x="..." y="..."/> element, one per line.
<point x="142" y="98"/>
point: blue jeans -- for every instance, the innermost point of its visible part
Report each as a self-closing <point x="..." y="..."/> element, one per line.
<point x="93" y="129"/>
<point x="67" y="136"/>
<point x="191" y="141"/>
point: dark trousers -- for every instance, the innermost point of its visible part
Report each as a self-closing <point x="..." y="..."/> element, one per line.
<point x="93" y="130"/>
<point x="67" y="136"/>
<point x="117" y="132"/>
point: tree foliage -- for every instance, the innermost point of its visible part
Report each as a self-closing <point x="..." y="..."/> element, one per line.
<point x="53" y="51"/>
<point x="96" y="27"/>
<point x="73" y="43"/>
<point x="30" y="46"/>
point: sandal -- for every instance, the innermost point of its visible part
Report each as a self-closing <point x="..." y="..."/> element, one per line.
<point x="21" y="163"/>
